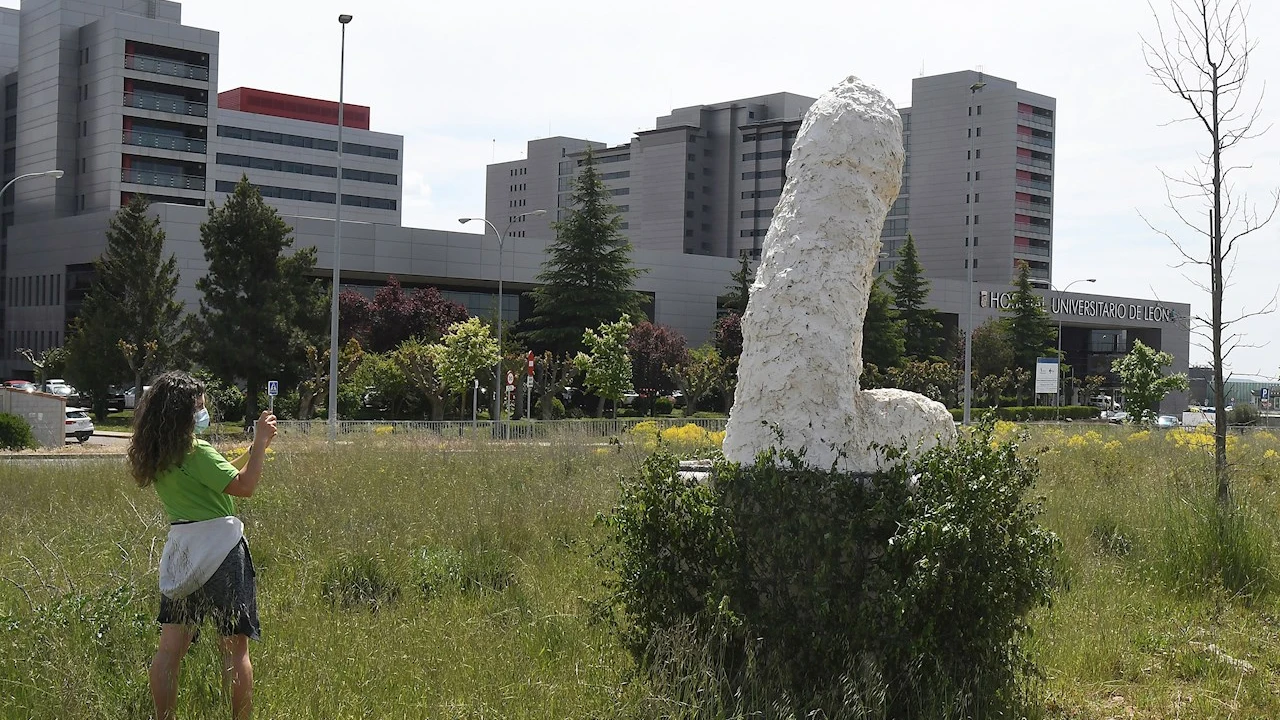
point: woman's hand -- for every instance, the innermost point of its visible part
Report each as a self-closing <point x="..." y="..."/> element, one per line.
<point x="264" y="430"/>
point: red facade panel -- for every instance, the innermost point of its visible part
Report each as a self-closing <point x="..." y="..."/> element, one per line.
<point x="262" y="102"/>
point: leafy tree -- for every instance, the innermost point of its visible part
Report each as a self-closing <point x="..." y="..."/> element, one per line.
<point x="588" y="277"/>
<point x="1093" y="385"/>
<point x="130" y="315"/>
<point x="740" y="291"/>
<point x="727" y="335"/>
<point x="654" y="349"/>
<point x="420" y="363"/>
<point x="467" y="348"/>
<point x="94" y="363"/>
<point x="1143" y="379"/>
<point x="934" y="379"/>
<point x="1030" y="331"/>
<point x="921" y="331"/>
<point x="701" y="373"/>
<point x="607" y="369"/>
<point x="551" y="374"/>
<point x="386" y="377"/>
<point x="315" y="383"/>
<point x="992" y="349"/>
<point x="394" y="315"/>
<point x="260" y="306"/>
<point x="882" y="340"/>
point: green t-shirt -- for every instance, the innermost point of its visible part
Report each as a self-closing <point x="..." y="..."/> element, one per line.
<point x="194" y="489"/>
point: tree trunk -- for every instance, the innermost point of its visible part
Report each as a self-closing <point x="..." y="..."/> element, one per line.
<point x="1215" y="232"/>
<point x="600" y="408"/>
<point x="250" y="404"/>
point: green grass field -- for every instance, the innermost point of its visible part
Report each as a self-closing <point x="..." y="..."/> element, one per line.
<point x="406" y="578"/>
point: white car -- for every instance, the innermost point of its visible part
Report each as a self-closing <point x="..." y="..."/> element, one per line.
<point x="79" y="425"/>
<point x="131" y="397"/>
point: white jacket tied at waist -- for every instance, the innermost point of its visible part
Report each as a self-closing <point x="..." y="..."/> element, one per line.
<point x="193" y="553"/>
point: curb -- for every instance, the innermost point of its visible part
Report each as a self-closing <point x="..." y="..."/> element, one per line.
<point x="113" y="434"/>
<point x="10" y="457"/>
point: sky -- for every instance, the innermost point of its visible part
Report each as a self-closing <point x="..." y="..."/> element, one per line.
<point x="467" y="84"/>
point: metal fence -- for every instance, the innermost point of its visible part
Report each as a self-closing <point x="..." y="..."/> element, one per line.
<point x="507" y="430"/>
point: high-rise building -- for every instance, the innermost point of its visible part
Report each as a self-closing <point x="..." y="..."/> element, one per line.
<point x="123" y="98"/>
<point x="707" y="179"/>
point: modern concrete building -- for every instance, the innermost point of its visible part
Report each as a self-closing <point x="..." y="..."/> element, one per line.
<point x="118" y="94"/>
<point x="706" y="179"/>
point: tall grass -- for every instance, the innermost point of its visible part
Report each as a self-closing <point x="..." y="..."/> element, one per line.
<point x="405" y="578"/>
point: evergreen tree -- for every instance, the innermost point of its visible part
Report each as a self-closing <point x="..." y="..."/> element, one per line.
<point x="1030" y="331"/>
<point x="260" y="306"/>
<point x="740" y="291"/>
<point x="588" y="276"/>
<point x="921" y="331"/>
<point x="882" y="341"/>
<point x="130" y="323"/>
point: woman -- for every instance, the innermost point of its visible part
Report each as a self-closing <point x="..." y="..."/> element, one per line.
<point x="205" y="569"/>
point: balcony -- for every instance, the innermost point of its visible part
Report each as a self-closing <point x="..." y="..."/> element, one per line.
<point x="1040" y="121"/>
<point x="1035" y="163"/>
<point x="1031" y="229"/>
<point x="1035" y="185"/>
<point x="165" y="104"/>
<point x="1037" y="274"/>
<point x="1036" y="140"/>
<point x="1044" y="208"/>
<point x="160" y="179"/>
<point x="165" y="142"/>
<point x="172" y="68"/>
<point x="1031" y="250"/>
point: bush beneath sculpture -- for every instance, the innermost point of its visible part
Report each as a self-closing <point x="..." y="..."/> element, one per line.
<point x="781" y="589"/>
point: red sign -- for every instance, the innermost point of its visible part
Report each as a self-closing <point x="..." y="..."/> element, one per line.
<point x="529" y="357"/>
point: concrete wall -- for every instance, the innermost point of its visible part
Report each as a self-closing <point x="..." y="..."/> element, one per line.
<point x="46" y="414"/>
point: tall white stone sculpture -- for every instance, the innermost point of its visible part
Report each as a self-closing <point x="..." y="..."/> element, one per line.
<point x="802" y="331"/>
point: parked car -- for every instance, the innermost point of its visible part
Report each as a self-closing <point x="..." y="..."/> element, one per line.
<point x="79" y="425"/>
<point x="1115" y="416"/>
<point x="131" y="398"/>
<point x="21" y="385"/>
<point x="67" y="392"/>
<point x="1166" y="422"/>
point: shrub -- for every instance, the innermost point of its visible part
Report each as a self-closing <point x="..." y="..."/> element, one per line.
<point x="557" y="409"/>
<point x="799" y="580"/>
<point x="1245" y="414"/>
<point x="664" y="406"/>
<point x="359" y="581"/>
<point x="15" y="433"/>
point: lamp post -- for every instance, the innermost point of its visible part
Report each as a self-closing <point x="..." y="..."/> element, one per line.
<point x="968" y="334"/>
<point x="1058" y="396"/>
<point x="337" y="243"/>
<point x="497" y="378"/>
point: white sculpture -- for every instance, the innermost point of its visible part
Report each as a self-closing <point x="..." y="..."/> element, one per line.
<point x="802" y="331"/>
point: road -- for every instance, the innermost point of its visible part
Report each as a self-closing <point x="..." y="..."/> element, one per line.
<point x="101" y="442"/>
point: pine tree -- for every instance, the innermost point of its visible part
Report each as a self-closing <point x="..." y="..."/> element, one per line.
<point x="921" y="331"/>
<point x="588" y="277"/>
<point x="130" y="322"/>
<point x="1030" y="331"/>
<point x="882" y="341"/>
<point x="261" y="306"/>
<point x="740" y="289"/>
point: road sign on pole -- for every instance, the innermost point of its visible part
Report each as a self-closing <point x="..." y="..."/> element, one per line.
<point x="273" y="389"/>
<point x="529" y="359"/>
<point x="1046" y="375"/>
<point x="1265" y="393"/>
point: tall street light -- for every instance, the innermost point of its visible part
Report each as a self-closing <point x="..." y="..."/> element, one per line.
<point x="1064" y="290"/>
<point x="337" y="244"/>
<point x="55" y="174"/>
<point x="968" y="334"/>
<point x="497" y="379"/>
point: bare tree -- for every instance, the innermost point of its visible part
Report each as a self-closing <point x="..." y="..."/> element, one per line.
<point x="1200" y="53"/>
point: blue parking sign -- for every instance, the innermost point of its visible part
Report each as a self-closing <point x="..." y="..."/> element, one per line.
<point x="1264" y="393"/>
<point x="273" y="387"/>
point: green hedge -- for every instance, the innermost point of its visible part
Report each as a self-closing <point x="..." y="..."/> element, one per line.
<point x="15" y="433"/>
<point x="1040" y="412"/>
<point x="781" y="590"/>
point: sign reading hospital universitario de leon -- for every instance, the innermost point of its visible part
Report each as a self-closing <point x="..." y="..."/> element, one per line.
<point x="1098" y="309"/>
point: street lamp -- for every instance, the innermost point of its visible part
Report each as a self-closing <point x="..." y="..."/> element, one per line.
<point x="1058" y="396"/>
<point x="968" y="334"/>
<point x="497" y="380"/>
<point x="337" y="243"/>
<point x="55" y="174"/>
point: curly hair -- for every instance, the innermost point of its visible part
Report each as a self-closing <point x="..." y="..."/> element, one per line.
<point x="163" y="425"/>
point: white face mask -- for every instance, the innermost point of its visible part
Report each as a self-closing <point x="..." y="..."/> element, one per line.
<point x="202" y="420"/>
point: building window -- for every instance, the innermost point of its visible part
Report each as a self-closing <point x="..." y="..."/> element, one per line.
<point x="978" y="132"/>
<point x="692" y="157"/>
<point x="977" y="154"/>
<point x="979" y="109"/>
<point x="689" y="176"/>
<point x="977" y="197"/>
<point x="688" y="214"/>
<point x="975" y="241"/>
<point x="977" y="175"/>
<point x="975" y="263"/>
<point x="977" y="219"/>
<point x="688" y="195"/>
